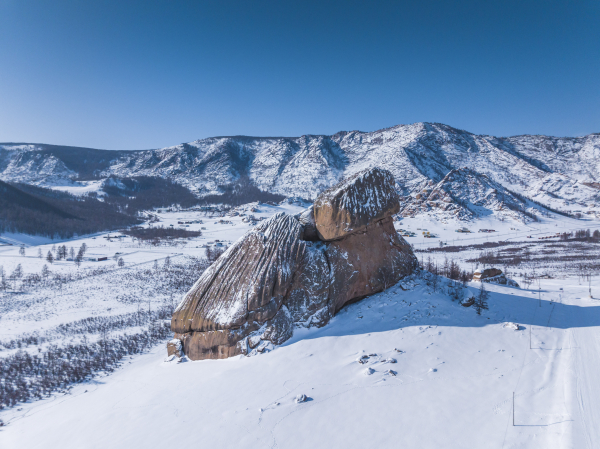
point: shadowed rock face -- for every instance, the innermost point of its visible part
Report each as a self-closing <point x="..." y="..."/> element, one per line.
<point x="308" y="296"/>
<point x="367" y="262"/>
<point x="307" y="220"/>
<point x="277" y="276"/>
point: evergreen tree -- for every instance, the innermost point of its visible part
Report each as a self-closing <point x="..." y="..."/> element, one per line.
<point x="18" y="273"/>
<point x="79" y="257"/>
<point x="50" y="257"/>
<point x="45" y="272"/>
<point x="22" y="250"/>
<point x="3" y="283"/>
<point x="481" y="300"/>
<point x="208" y="254"/>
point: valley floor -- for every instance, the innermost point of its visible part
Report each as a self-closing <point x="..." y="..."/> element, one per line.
<point x="436" y="375"/>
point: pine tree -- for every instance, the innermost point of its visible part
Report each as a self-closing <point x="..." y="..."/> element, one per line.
<point x="3" y="283"/>
<point x="50" y="257"/>
<point x="72" y="253"/>
<point x="40" y="253"/>
<point x="18" y="273"/>
<point x="121" y="262"/>
<point x="208" y="254"/>
<point x="22" y="250"/>
<point x="79" y="257"/>
<point x="45" y="272"/>
<point x="481" y="300"/>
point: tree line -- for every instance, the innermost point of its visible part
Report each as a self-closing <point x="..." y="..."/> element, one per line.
<point x="28" y="375"/>
<point x="242" y="191"/>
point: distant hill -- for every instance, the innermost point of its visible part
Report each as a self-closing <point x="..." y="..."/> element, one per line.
<point x="38" y="211"/>
<point x="12" y="198"/>
<point x="559" y="172"/>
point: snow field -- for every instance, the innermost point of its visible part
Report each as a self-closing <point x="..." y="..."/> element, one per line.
<point x="452" y="384"/>
<point x="465" y="402"/>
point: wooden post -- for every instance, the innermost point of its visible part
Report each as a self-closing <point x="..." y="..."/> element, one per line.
<point x="513" y="408"/>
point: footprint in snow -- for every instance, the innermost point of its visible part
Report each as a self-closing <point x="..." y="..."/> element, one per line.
<point x="433" y="370"/>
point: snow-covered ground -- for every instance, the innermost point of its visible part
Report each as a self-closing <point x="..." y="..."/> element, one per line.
<point x="445" y="230"/>
<point x="80" y="188"/>
<point x="132" y="251"/>
<point x="437" y="374"/>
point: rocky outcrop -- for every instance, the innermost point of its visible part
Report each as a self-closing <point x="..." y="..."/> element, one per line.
<point x="367" y="262"/>
<point x="296" y="271"/>
<point x="247" y="283"/>
<point x="308" y="297"/>
<point x="175" y="348"/>
<point x="485" y="274"/>
<point x="356" y="202"/>
<point x="307" y="220"/>
<point x="493" y="276"/>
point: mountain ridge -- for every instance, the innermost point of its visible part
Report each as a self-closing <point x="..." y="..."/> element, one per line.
<point x="556" y="171"/>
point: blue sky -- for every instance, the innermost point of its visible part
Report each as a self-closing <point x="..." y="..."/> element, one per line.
<point x="148" y="74"/>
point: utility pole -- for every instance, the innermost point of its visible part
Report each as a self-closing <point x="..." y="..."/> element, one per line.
<point x="530" y="326"/>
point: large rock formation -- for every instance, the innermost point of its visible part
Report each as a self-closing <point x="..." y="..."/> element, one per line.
<point x="355" y="203"/>
<point x="296" y="271"/>
<point x="493" y="276"/>
<point x="367" y="262"/>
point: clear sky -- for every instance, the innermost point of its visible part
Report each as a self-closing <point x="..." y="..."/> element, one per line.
<point x="146" y="74"/>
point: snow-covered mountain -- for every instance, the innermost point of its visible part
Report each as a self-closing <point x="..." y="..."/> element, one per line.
<point x="561" y="172"/>
<point x="465" y="194"/>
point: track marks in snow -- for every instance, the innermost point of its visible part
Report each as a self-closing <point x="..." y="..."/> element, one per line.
<point x="586" y="368"/>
